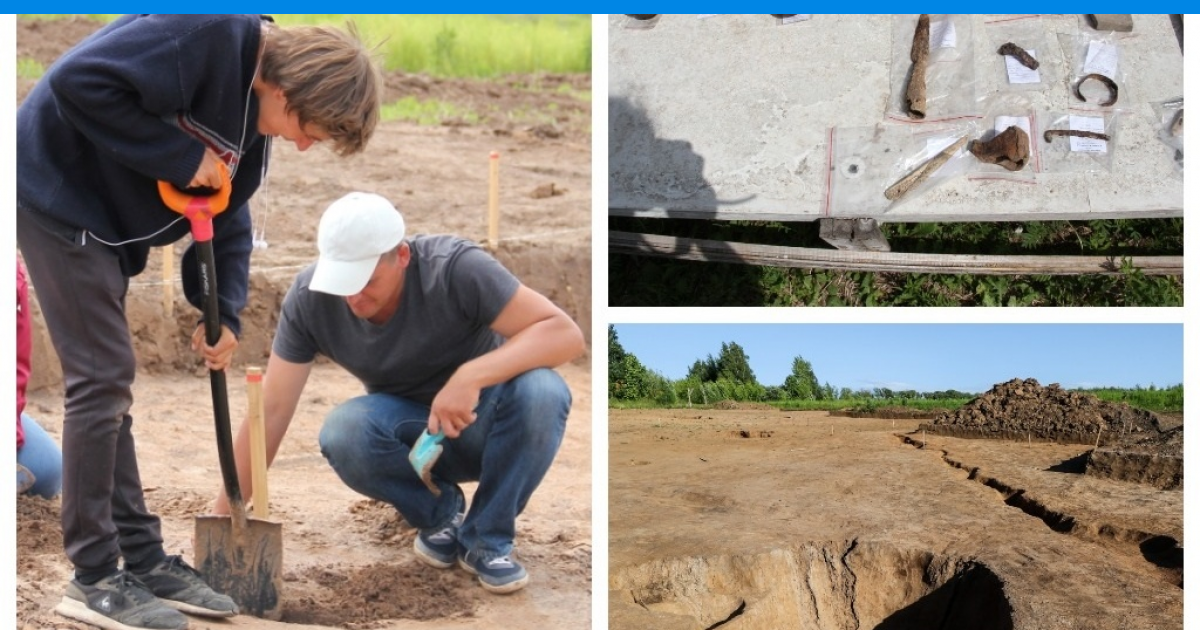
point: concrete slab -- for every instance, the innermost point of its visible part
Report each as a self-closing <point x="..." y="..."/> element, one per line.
<point x="729" y="117"/>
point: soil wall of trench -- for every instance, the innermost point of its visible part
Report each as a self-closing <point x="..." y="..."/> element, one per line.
<point x="830" y="585"/>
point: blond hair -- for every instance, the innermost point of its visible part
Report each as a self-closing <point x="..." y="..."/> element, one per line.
<point x="328" y="78"/>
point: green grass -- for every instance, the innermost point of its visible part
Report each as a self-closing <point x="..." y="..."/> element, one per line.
<point x="427" y="112"/>
<point x="473" y="46"/>
<point x="646" y="281"/>
<point x="1164" y="400"/>
<point x="1159" y="400"/>
<point x="29" y="68"/>
<point x="463" y="46"/>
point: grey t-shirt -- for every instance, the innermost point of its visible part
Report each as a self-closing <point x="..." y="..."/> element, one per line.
<point x="453" y="291"/>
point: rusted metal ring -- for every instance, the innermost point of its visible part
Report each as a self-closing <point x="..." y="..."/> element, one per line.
<point x="1109" y="83"/>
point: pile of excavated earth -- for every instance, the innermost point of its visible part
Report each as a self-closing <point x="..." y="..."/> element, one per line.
<point x="1130" y="444"/>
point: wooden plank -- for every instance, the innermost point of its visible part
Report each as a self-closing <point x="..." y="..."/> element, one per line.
<point x="812" y="258"/>
<point x="258" y="443"/>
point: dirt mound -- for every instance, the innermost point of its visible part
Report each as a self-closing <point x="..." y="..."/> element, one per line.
<point x="1023" y="409"/>
<point x="1156" y="460"/>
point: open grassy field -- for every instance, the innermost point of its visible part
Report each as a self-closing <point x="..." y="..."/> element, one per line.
<point x="460" y="45"/>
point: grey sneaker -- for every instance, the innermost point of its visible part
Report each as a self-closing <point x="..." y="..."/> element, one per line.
<point x="181" y="587"/>
<point x="118" y="602"/>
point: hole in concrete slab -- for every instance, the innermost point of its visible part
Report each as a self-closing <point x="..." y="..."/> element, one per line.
<point x="829" y="585"/>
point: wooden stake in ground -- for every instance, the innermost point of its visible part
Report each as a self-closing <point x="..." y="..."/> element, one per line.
<point x="914" y="96"/>
<point x="258" y="442"/>
<point x="494" y="200"/>
<point x="922" y="172"/>
<point x="168" y="276"/>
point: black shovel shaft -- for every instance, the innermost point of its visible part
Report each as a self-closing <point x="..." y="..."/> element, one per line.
<point x="220" y="392"/>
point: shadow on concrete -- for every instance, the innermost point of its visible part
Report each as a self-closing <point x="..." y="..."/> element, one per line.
<point x="668" y="174"/>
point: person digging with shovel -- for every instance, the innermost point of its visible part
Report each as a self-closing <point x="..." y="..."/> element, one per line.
<point x="446" y="341"/>
<point x="149" y="98"/>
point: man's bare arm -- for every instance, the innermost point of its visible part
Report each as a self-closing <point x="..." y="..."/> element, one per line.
<point x="538" y="334"/>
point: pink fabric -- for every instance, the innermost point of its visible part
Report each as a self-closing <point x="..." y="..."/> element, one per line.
<point x="24" y="347"/>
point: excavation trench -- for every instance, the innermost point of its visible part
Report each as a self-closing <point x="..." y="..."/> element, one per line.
<point x="846" y="585"/>
<point x="1164" y="552"/>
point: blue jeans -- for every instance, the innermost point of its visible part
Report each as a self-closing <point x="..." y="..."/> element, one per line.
<point x="516" y="434"/>
<point x="42" y="457"/>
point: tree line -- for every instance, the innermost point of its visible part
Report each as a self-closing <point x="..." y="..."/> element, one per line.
<point x="728" y="376"/>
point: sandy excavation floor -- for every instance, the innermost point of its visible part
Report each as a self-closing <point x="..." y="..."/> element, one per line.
<point x="819" y="522"/>
<point x="348" y="561"/>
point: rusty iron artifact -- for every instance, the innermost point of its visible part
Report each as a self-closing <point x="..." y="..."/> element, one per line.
<point x="1051" y="133"/>
<point x="1109" y="83"/>
<point x="914" y="95"/>
<point x="1009" y="149"/>
<point x="1020" y="54"/>
<point x="922" y="172"/>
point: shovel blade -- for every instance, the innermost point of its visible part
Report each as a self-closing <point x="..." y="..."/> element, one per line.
<point x="247" y="567"/>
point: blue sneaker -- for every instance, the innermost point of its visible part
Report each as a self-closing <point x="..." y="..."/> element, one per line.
<point x="439" y="547"/>
<point x="501" y="574"/>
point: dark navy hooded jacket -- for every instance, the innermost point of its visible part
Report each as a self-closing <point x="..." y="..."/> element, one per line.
<point x="136" y="102"/>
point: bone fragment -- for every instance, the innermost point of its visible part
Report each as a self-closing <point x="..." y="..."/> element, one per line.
<point x="922" y="172"/>
<point x="1010" y="149"/>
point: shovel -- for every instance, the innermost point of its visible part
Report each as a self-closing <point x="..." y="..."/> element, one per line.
<point x="237" y="556"/>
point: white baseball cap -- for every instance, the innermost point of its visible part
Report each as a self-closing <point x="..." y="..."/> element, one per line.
<point x="355" y="230"/>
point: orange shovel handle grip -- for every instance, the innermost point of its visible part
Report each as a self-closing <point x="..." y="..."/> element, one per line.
<point x="199" y="209"/>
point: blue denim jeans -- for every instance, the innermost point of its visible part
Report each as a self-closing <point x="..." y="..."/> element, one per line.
<point x="42" y="457"/>
<point x="508" y="449"/>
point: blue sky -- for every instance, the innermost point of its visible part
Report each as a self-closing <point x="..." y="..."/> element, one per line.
<point x="925" y="357"/>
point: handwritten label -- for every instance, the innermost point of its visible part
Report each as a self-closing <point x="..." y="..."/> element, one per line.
<point x="1087" y="145"/>
<point x="1018" y="73"/>
<point x="942" y="35"/>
